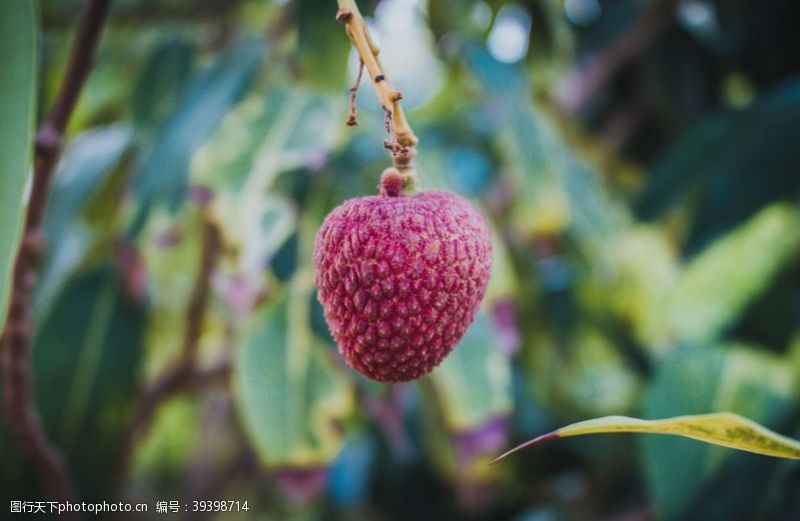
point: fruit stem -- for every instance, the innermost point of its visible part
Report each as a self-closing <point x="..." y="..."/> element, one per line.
<point x="395" y="183"/>
<point x="402" y="143"/>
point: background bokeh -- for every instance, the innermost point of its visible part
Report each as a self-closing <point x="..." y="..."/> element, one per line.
<point x="637" y="161"/>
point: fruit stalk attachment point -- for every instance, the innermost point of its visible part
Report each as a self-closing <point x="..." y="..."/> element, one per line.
<point x="402" y="142"/>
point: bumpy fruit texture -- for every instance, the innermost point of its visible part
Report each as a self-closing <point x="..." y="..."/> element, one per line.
<point x="400" y="278"/>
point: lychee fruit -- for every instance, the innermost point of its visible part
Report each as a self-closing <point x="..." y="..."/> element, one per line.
<point x="400" y="277"/>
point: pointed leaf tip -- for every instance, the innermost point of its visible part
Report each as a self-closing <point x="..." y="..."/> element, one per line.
<point x="544" y="437"/>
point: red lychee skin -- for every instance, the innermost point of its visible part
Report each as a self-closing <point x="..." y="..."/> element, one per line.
<point x="400" y="279"/>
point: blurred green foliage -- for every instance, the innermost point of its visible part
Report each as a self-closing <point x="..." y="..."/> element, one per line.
<point x="646" y="245"/>
<point x="18" y="45"/>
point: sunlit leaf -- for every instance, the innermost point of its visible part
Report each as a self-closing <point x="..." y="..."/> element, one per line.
<point x="171" y="249"/>
<point x="264" y="136"/>
<point x="588" y="375"/>
<point x="725" y="429"/>
<point x="503" y="282"/>
<point x="719" y="283"/>
<point x="161" y="176"/>
<point x="644" y="268"/>
<point x="267" y="134"/>
<point x="171" y="439"/>
<point x="18" y="31"/>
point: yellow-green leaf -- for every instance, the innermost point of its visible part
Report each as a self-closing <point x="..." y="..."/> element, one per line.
<point x="724" y="428"/>
<point x="720" y="282"/>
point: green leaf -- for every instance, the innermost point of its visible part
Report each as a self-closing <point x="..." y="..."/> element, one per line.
<point x="171" y="440"/>
<point x="267" y="134"/>
<point x="688" y="165"/>
<point x="290" y="398"/>
<point x="702" y="380"/>
<point x="699" y="381"/>
<point x="85" y="163"/>
<point x="264" y="136"/>
<point x="736" y="161"/>
<point x="474" y="381"/>
<point x="85" y="357"/>
<point x="556" y="189"/>
<point x="18" y="31"/>
<point x="322" y="45"/>
<point x="82" y="170"/>
<point x="564" y="190"/>
<point x="584" y="374"/>
<point x="725" y="429"/>
<point x="445" y="16"/>
<point x="718" y="284"/>
<point x="542" y="204"/>
<point x="62" y="258"/>
<point x="162" y="81"/>
<point x="646" y="270"/>
<point x="161" y="176"/>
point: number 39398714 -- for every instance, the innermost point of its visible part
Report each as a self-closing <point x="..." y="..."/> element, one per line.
<point x="219" y="506"/>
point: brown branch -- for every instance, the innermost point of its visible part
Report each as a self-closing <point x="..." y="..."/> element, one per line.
<point x="18" y="400"/>
<point x="581" y="84"/>
<point x="389" y="98"/>
<point x="180" y="378"/>
<point x="198" y="301"/>
<point x="185" y="374"/>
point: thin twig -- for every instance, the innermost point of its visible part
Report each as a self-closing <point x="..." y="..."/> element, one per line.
<point x="185" y="373"/>
<point x="389" y="98"/>
<point x="20" y="409"/>
<point x="389" y="123"/>
<point x="352" y="114"/>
